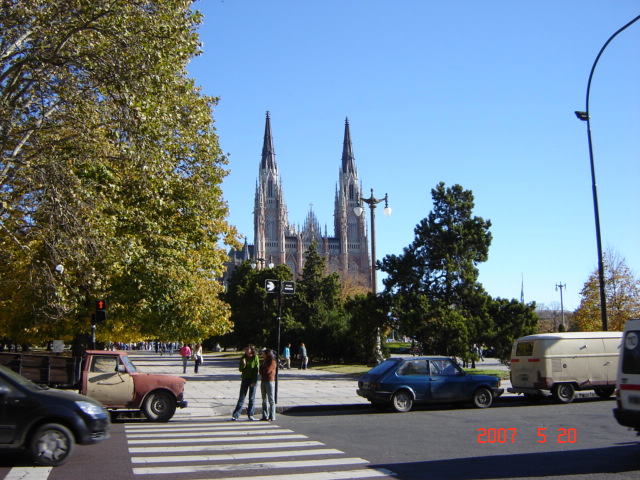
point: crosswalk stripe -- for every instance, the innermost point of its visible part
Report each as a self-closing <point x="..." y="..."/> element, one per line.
<point x="210" y="434"/>
<point x="245" y="438"/>
<point x="228" y="467"/>
<point x="222" y="448"/>
<point x="29" y="473"/>
<point x="191" y="428"/>
<point x="337" y="475"/>
<point x="237" y="456"/>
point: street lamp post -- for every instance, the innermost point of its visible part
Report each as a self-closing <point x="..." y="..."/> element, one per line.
<point x="561" y="286"/>
<point x="585" y="117"/>
<point x="373" y="202"/>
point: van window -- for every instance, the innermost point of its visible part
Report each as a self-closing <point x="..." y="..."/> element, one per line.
<point x="631" y="353"/>
<point x="524" y="349"/>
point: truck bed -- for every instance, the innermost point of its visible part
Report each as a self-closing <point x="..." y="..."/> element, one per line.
<point x="52" y="370"/>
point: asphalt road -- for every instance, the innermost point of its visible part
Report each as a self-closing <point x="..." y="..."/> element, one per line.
<point x="510" y="440"/>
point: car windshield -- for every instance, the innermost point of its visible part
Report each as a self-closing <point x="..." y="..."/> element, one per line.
<point x="383" y="367"/>
<point x="129" y="364"/>
<point x="19" y="379"/>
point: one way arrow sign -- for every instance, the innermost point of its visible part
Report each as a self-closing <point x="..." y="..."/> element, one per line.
<point x="272" y="286"/>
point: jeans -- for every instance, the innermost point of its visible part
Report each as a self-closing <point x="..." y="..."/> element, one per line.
<point x="184" y="364"/>
<point x="268" y="390"/>
<point x="245" y="386"/>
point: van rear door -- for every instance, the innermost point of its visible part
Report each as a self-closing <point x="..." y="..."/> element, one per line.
<point x="629" y="382"/>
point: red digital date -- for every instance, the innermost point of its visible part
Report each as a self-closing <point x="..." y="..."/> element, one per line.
<point x="508" y="435"/>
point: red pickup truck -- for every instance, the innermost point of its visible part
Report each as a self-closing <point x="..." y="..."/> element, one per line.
<point x="107" y="376"/>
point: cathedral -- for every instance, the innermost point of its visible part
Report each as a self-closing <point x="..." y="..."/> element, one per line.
<point x="277" y="241"/>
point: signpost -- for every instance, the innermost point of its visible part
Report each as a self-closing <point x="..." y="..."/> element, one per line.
<point x="281" y="287"/>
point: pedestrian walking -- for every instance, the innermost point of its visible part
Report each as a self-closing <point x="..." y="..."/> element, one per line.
<point x="268" y="385"/>
<point x="197" y="356"/>
<point x="286" y="354"/>
<point x="185" y="353"/>
<point x="249" y="366"/>
<point x="302" y="355"/>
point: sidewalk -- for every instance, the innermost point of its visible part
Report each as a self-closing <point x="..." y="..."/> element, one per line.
<point x="214" y="390"/>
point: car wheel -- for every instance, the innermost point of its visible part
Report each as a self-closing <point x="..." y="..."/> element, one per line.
<point x="402" y="401"/>
<point x="563" y="392"/>
<point x="51" y="445"/>
<point x="604" y="392"/>
<point x="159" y="406"/>
<point x="482" y="397"/>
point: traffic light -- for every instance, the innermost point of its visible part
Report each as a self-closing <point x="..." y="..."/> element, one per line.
<point x="101" y="311"/>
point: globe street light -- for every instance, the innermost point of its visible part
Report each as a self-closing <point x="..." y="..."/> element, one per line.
<point x="359" y="210"/>
<point x="585" y="117"/>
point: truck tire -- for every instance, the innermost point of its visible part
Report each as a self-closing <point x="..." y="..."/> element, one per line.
<point x="159" y="406"/>
<point x="51" y="445"/>
<point x="563" y="392"/>
<point x="482" y="397"/>
<point x="604" y="392"/>
<point x="402" y="401"/>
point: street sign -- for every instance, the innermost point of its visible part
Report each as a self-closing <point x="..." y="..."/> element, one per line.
<point x="272" y="286"/>
<point x="288" y="288"/>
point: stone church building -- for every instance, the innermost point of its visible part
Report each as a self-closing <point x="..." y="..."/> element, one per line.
<point x="278" y="241"/>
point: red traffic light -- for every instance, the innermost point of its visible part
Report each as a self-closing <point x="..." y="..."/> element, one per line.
<point x="101" y="305"/>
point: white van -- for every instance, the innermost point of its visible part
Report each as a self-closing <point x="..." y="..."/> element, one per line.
<point x="562" y="363"/>
<point x="627" y="412"/>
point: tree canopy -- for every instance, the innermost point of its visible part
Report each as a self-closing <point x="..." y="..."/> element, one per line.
<point x="622" y="291"/>
<point x="433" y="285"/>
<point x="110" y="173"/>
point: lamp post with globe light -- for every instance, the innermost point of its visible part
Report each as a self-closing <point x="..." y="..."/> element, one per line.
<point x="359" y="210"/>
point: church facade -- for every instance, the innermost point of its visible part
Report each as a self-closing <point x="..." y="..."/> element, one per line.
<point x="278" y="241"/>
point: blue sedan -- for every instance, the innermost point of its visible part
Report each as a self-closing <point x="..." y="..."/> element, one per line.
<point x="403" y="382"/>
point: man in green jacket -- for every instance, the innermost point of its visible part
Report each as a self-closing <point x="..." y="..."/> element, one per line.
<point x="249" y="366"/>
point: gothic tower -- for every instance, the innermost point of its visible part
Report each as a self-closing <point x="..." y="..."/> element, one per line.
<point x="277" y="241"/>
<point x="350" y="229"/>
<point x="270" y="211"/>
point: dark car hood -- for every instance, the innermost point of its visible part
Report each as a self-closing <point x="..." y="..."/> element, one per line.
<point x="65" y="395"/>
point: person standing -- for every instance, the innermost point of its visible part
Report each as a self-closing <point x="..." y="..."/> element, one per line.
<point x="302" y="355"/>
<point x="249" y="366"/>
<point x="268" y="385"/>
<point x="197" y="356"/>
<point x="286" y="354"/>
<point x="185" y="353"/>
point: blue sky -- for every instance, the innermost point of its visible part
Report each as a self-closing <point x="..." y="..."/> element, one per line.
<point x="476" y="93"/>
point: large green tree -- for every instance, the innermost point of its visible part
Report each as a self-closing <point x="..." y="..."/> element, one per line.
<point x="110" y="171"/>
<point x="622" y="291"/>
<point x="319" y="311"/>
<point x="511" y="320"/>
<point x="433" y="284"/>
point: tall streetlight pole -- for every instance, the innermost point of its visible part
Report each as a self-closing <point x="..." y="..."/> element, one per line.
<point x="373" y="202"/>
<point x="584" y="116"/>
<point x="561" y="286"/>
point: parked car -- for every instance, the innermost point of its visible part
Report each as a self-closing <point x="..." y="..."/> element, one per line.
<point x="403" y="382"/>
<point x="45" y="421"/>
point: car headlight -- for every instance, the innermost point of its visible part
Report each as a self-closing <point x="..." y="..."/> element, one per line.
<point x="91" y="409"/>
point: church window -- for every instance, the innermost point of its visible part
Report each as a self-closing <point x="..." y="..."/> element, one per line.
<point x="351" y="192"/>
<point x="271" y="227"/>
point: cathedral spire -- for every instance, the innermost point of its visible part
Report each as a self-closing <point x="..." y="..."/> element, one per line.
<point x="348" y="162"/>
<point x="268" y="152"/>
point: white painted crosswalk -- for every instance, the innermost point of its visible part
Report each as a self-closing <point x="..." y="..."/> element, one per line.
<point x="246" y="451"/>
